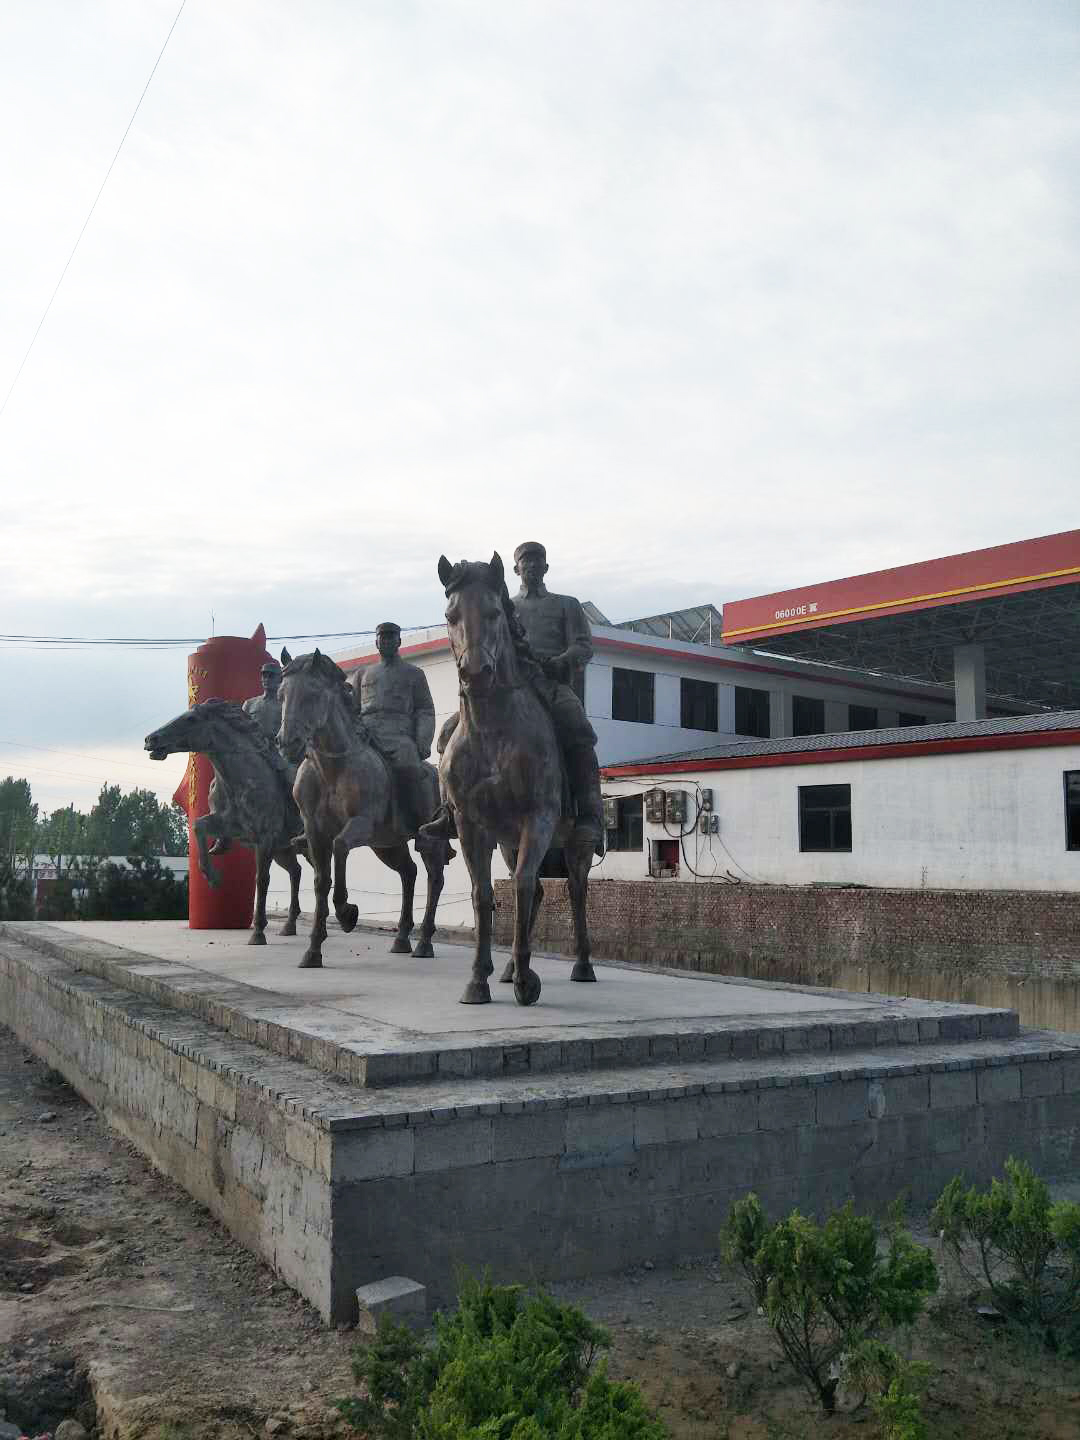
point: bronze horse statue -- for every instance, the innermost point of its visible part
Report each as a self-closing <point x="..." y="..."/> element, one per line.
<point x="503" y="775"/>
<point x="344" y="789"/>
<point x="250" y="797"/>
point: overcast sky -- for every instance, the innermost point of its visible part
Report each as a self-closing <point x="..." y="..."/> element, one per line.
<point x="714" y="298"/>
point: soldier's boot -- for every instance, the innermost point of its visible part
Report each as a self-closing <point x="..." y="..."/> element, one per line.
<point x="441" y="826"/>
<point x="584" y="775"/>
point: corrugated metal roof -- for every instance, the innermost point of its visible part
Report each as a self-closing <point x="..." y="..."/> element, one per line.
<point x="857" y="739"/>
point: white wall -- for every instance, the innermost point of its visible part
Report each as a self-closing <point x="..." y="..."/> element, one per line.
<point x="983" y="820"/>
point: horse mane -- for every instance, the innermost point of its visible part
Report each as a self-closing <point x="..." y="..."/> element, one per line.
<point x="329" y="670"/>
<point x="237" y="718"/>
<point x="469" y="572"/>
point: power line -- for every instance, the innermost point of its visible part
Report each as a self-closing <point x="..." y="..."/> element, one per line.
<point x="79" y="755"/>
<point x="167" y="642"/>
<point x="89" y="213"/>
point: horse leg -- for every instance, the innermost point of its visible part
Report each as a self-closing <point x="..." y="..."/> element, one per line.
<point x="533" y="846"/>
<point x="204" y="827"/>
<point x="397" y="857"/>
<point x="579" y="853"/>
<point x="476" y="847"/>
<point x="510" y="856"/>
<point x="435" y="868"/>
<point x="263" y="855"/>
<point x="287" y="860"/>
<point x="355" y="833"/>
<point x="320" y="859"/>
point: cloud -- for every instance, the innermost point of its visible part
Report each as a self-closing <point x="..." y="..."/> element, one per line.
<point x="713" y="299"/>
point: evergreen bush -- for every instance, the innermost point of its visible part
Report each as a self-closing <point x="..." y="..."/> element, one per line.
<point x="503" y="1366"/>
<point x="828" y="1288"/>
<point x="1028" y="1249"/>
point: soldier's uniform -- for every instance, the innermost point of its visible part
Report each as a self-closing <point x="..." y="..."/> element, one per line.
<point x="558" y="633"/>
<point x="399" y="713"/>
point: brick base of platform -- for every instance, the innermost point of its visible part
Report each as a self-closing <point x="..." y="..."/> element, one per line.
<point x="537" y="1175"/>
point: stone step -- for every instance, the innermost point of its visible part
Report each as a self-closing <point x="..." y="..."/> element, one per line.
<point x="369" y="1052"/>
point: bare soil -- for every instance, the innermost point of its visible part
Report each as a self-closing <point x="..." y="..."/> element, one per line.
<point x="125" y="1305"/>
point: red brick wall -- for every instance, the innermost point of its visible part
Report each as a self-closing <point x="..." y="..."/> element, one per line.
<point x="983" y="946"/>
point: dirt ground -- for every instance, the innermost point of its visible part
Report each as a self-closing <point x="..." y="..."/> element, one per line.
<point x="125" y="1305"/>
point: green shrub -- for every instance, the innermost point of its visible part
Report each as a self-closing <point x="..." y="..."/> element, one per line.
<point x="894" y="1386"/>
<point x="1028" y="1249"/>
<point x="827" y="1288"/>
<point x="503" y="1366"/>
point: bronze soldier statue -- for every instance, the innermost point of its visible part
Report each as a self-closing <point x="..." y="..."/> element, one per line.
<point x="399" y="714"/>
<point x="265" y="709"/>
<point x="558" y="633"/>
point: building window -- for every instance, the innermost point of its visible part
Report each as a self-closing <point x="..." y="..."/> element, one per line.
<point x="627" y="833"/>
<point x="807" y="716"/>
<point x="861" y="717"/>
<point x="1072" y="809"/>
<point x="824" y="817"/>
<point x="906" y="719"/>
<point x="632" y="695"/>
<point x="698" y="705"/>
<point x="751" y="712"/>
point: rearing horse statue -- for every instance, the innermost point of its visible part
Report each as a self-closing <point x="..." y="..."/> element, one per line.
<point x="250" y="797"/>
<point x="503" y="775"/>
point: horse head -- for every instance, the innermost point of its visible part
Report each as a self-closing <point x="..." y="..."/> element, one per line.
<point x="311" y="687"/>
<point x="478" y="612"/>
<point x="193" y="731"/>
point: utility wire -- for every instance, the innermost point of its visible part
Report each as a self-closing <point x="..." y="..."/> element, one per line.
<point x="165" y="642"/>
<point x="90" y="212"/>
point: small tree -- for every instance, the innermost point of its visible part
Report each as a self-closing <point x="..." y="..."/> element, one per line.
<point x="503" y="1366"/>
<point x="1028" y="1249"/>
<point x="828" y="1288"/>
<point x="140" y="890"/>
<point x="16" y="893"/>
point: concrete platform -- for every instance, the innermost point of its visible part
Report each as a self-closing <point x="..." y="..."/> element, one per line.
<point x="357" y="1122"/>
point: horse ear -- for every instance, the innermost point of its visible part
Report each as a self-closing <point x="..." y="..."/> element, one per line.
<point x="317" y="655"/>
<point x="498" y="574"/>
<point x="286" y="658"/>
<point x="445" y="570"/>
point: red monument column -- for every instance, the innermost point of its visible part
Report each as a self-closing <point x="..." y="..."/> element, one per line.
<point x="224" y="668"/>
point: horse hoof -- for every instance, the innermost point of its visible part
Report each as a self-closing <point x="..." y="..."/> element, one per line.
<point x="583" y="971"/>
<point x="312" y="961"/>
<point x="508" y="974"/>
<point x="401" y="946"/>
<point x="289" y="928"/>
<point x="422" y="950"/>
<point x="476" y="993"/>
<point x="213" y="878"/>
<point x="256" y="938"/>
<point x="527" y="992"/>
<point x="347" y="917"/>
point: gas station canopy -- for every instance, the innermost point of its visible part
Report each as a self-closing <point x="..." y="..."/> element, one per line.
<point x="1016" y="605"/>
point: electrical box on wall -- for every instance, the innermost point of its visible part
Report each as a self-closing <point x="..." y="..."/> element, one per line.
<point x="706" y="800"/>
<point x="654" y="807"/>
<point x="675" y="807"/>
<point x="611" y="812"/>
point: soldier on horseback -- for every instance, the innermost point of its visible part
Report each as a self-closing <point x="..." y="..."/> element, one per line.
<point x="558" y="635"/>
<point x="399" y="714"/>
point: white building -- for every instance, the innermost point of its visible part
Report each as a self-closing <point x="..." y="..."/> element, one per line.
<point x="988" y="804"/>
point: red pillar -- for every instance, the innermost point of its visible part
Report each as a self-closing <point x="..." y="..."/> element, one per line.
<point x="224" y="668"/>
